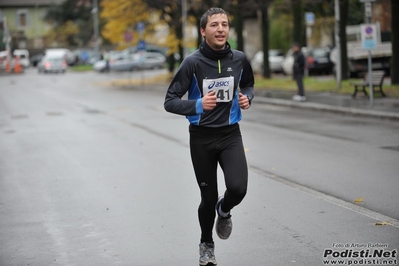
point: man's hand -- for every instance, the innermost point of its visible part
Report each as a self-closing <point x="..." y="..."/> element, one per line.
<point x="209" y="101"/>
<point x="243" y="101"/>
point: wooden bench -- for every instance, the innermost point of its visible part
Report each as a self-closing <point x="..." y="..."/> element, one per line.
<point x="377" y="78"/>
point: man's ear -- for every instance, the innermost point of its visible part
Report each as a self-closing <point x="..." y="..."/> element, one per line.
<point x="202" y="31"/>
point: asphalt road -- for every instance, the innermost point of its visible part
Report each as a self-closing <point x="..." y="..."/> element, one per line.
<point x="97" y="174"/>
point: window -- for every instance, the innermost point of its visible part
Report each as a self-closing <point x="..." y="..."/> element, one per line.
<point x="22" y="18"/>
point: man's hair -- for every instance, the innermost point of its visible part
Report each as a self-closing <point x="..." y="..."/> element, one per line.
<point x="210" y="12"/>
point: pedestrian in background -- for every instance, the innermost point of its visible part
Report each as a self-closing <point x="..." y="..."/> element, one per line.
<point x="219" y="82"/>
<point x="106" y="58"/>
<point x="298" y="72"/>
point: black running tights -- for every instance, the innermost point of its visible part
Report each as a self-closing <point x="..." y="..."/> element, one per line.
<point x="210" y="146"/>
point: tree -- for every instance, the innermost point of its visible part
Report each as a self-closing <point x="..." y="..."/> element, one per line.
<point x="241" y="10"/>
<point x="395" y="42"/>
<point x="63" y="34"/>
<point x="122" y="16"/>
<point x="71" y="13"/>
<point x="297" y="16"/>
<point x="264" y="9"/>
<point x="238" y="24"/>
<point x="171" y="13"/>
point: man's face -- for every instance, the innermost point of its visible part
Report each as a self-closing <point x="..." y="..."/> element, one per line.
<point x="216" y="31"/>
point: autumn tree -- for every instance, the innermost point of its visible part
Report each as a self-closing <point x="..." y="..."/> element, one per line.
<point x="122" y="16"/>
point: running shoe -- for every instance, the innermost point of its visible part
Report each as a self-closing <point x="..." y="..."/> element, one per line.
<point x="207" y="254"/>
<point x="224" y="225"/>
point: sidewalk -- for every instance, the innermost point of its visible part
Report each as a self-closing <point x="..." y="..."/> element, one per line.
<point x="383" y="107"/>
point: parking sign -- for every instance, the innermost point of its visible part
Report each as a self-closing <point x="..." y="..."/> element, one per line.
<point x="369" y="36"/>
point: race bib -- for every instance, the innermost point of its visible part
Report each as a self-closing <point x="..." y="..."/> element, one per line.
<point x="224" y="88"/>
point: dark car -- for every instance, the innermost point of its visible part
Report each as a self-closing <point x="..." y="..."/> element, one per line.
<point x="34" y="60"/>
<point x="318" y="61"/>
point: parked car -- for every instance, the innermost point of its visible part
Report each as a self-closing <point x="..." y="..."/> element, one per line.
<point x="34" y="60"/>
<point x="23" y="56"/>
<point x="53" y="64"/>
<point x="276" y="58"/>
<point x="318" y="61"/>
<point x="149" y="48"/>
<point x="130" y="62"/>
<point x="86" y="56"/>
<point x="69" y="56"/>
<point x="101" y="65"/>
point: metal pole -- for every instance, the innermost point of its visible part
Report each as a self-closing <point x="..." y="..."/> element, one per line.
<point x="370" y="79"/>
<point x="184" y="23"/>
<point x="368" y="20"/>
<point x="7" y="40"/>
<point x="94" y="11"/>
<point x="338" y="66"/>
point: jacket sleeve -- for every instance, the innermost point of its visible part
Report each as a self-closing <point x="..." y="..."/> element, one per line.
<point x="179" y="86"/>
<point x="247" y="80"/>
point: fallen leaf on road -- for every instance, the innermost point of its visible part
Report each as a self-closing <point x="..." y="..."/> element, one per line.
<point x="382" y="223"/>
<point x="358" y="200"/>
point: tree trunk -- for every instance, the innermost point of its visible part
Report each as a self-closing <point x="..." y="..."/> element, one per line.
<point x="297" y="15"/>
<point x="343" y="13"/>
<point x="238" y="25"/>
<point x="395" y="41"/>
<point x="265" y="37"/>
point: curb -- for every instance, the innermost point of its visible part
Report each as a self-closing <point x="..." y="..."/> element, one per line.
<point x="329" y="108"/>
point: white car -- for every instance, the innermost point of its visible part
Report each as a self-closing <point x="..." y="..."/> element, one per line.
<point x="23" y="56"/>
<point x="62" y="52"/>
<point x="276" y="58"/>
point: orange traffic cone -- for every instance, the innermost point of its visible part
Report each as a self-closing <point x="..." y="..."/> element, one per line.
<point x="8" y="68"/>
<point x="17" y="65"/>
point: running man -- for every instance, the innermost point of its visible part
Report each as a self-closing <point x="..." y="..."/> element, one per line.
<point x="219" y="82"/>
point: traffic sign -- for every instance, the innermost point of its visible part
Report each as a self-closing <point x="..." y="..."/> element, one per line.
<point x="128" y="36"/>
<point x="369" y="36"/>
<point x="140" y="26"/>
<point x="141" y="45"/>
<point x="309" y="18"/>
